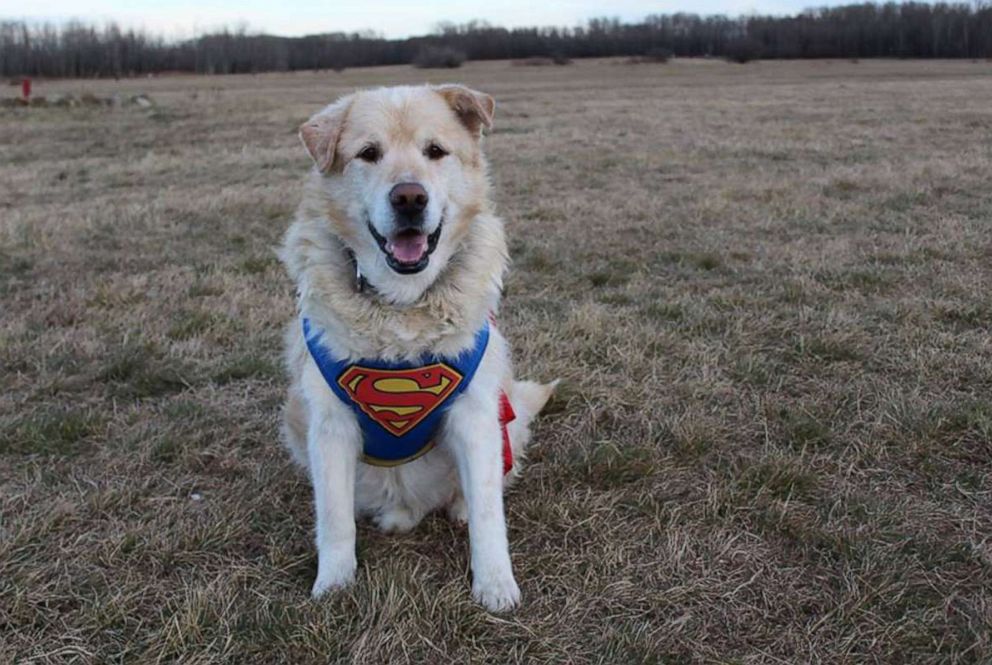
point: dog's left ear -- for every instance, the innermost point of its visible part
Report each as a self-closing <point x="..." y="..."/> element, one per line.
<point x="474" y="109"/>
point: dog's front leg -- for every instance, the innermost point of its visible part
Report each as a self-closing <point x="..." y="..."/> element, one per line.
<point x="475" y="440"/>
<point x="333" y="444"/>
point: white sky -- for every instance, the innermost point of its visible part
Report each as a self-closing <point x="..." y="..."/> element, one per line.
<point x="393" y="18"/>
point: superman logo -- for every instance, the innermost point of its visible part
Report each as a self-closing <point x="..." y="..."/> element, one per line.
<point x="399" y="399"/>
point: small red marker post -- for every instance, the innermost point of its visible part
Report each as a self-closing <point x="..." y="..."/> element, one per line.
<point x="26" y="88"/>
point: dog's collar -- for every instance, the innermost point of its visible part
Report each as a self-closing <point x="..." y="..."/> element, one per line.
<point x="360" y="283"/>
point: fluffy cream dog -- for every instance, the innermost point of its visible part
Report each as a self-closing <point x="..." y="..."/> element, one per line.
<point x="397" y="256"/>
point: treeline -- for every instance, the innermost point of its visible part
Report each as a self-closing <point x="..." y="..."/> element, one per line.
<point x="908" y="30"/>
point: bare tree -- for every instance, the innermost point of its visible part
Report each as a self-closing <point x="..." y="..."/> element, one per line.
<point x="907" y="30"/>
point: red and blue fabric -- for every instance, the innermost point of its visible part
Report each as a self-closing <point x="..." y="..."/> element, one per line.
<point x="399" y="405"/>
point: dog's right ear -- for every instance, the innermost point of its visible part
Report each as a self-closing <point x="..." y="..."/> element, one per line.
<point x="321" y="132"/>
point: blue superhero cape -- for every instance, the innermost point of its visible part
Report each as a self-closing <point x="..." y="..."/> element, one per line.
<point x="399" y="405"/>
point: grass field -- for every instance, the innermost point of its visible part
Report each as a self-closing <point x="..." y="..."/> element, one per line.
<point x="767" y="290"/>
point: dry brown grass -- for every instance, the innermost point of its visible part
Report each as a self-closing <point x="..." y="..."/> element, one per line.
<point x="766" y="286"/>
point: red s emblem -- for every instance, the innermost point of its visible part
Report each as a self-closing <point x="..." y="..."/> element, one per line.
<point x="399" y="399"/>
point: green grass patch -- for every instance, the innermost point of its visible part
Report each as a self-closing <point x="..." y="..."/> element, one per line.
<point x="616" y="299"/>
<point x="636" y="641"/>
<point x="137" y="372"/>
<point x="807" y="535"/>
<point x="756" y="370"/>
<point x="905" y="201"/>
<point x="246" y="367"/>
<point x="257" y="265"/>
<point x="615" y="273"/>
<point x="538" y="260"/>
<point x="663" y="311"/>
<point x="608" y="278"/>
<point x="512" y="130"/>
<point x="692" y="443"/>
<point x="166" y="450"/>
<point x="776" y="477"/>
<point x="187" y="427"/>
<point x="827" y="349"/>
<point x="965" y="316"/>
<point x="187" y="324"/>
<point x="705" y="261"/>
<point x="15" y="265"/>
<point x="49" y="431"/>
<point x="544" y="214"/>
<point x="870" y="280"/>
<point x="185" y="410"/>
<point x="969" y="417"/>
<point x="794" y="293"/>
<point x="609" y="465"/>
<point x="201" y="289"/>
<point x="843" y="189"/>
<point x="802" y="431"/>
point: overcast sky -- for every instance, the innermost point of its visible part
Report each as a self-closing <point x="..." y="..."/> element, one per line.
<point x="185" y="18"/>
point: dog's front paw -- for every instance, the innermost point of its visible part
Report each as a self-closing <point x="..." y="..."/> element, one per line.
<point x="496" y="592"/>
<point x="334" y="572"/>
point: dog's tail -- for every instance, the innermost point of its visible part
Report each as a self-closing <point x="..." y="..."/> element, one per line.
<point x="527" y="399"/>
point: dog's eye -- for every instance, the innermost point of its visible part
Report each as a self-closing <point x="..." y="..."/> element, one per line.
<point x="434" y="151"/>
<point x="370" y="153"/>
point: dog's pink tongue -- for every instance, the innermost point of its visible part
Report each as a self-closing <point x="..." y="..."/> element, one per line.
<point x="408" y="247"/>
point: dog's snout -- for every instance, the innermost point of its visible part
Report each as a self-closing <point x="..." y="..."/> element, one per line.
<point x="408" y="199"/>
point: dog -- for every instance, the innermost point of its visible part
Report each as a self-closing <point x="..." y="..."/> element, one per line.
<point x="402" y="399"/>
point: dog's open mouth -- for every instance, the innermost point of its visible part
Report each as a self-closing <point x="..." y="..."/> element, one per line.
<point x="407" y="251"/>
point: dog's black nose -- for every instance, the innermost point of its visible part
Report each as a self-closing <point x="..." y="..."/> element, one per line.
<point x="408" y="199"/>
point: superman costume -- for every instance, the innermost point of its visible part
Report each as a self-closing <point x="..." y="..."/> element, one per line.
<point x="399" y="405"/>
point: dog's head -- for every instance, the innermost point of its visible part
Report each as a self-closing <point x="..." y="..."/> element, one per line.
<point x="403" y="173"/>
